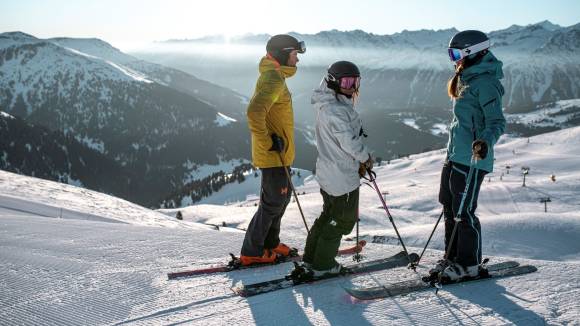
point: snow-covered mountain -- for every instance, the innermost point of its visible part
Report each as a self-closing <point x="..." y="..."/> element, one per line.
<point x="221" y="98"/>
<point x="67" y="260"/>
<point x="142" y="121"/>
<point x="159" y="124"/>
<point x="407" y="69"/>
<point x="243" y="182"/>
<point x="546" y="117"/>
<point x="37" y="151"/>
<point x="403" y="75"/>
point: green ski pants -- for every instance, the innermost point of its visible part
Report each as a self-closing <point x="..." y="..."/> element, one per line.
<point x="338" y="217"/>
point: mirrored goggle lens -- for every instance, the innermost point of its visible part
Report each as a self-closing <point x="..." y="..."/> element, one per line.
<point x="350" y="82"/>
<point x="455" y="54"/>
<point x="301" y="47"/>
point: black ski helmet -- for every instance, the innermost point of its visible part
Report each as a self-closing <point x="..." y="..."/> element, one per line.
<point x="280" y="46"/>
<point x="338" y="70"/>
<point x="474" y="44"/>
<point x="341" y="69"/>
<point x="467" y="38"/>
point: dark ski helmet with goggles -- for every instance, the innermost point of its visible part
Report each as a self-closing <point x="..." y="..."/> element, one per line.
<point x="280" y="46"/>
<point x="467" y="43"/>
<point x="343" y="77"/>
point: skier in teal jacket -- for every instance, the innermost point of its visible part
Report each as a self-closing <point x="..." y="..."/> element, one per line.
<point x="478" y="122"/>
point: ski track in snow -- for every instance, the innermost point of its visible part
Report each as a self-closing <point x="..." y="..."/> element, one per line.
<point x="83" y="272"/>
<point x="74" y="267"/>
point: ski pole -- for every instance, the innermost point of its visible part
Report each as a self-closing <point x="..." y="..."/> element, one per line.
<point x="372" y="179"/>
<point x="294" y="192"/>
<point x="357" y="257"/>
<point x="414" y="265"/>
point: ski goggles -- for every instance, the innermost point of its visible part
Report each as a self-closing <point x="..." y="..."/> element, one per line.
<point x="349" y="82"/>
<point x="301" y="48"/>
<point x="458" y="54"/>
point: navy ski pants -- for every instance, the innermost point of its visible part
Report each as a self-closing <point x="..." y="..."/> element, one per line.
<point x="466" y="247"/>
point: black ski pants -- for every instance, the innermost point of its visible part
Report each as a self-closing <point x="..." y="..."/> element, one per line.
<point x="466" y="246"/>
<point x="264" y="229"/>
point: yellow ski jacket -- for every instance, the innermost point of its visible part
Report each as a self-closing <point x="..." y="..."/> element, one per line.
<point x="270" y="112"/>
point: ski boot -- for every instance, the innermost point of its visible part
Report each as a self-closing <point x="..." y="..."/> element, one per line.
<point x="434" y="272"/>
<point x="456" y="272"/>
<point x="300" y="274"/>
<point x="285" y="251"/>
<point x="269" y="257"/>
<point x="336" y="270"/>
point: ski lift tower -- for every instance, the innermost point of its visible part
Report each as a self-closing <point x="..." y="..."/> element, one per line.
<point x="525" y="172"/>
<point x="545" y="201"/>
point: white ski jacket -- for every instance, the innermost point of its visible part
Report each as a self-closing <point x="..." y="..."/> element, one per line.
<point x="339" y="142"/>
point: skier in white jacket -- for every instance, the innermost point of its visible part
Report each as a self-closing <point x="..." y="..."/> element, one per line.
<point x="342" y="161"/>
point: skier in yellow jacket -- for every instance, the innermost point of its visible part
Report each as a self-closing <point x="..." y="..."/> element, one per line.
<point x="271" y="122"/>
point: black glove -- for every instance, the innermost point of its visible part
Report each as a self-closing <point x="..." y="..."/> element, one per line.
<point x="479" y="148"/>
<point x="277" y="144"/>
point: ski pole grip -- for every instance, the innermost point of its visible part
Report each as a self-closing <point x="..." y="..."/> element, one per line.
<point x="476" y="156"/>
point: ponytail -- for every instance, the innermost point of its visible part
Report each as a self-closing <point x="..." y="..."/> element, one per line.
<point x="454" y="86"/>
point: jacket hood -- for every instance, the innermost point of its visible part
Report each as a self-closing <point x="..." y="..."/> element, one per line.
<point x="324" y="95"/>
<point x="489" y="64"/>
<point x="267" y="64"/>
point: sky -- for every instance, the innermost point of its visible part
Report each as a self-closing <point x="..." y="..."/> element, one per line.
<point x="131" y="23"/>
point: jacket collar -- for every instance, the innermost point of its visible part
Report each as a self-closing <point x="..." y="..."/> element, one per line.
<point x="268" y="63"/>
<point x="489" y="64"/>
<point x="324" y="95"/>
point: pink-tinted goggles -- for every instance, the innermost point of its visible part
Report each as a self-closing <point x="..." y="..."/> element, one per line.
<point x="350" y="82"/>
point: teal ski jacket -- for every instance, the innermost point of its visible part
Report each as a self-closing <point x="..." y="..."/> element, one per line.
<point x="477" y="114"/>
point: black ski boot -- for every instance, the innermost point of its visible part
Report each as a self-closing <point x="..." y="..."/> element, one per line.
<point x="300" y="274"/>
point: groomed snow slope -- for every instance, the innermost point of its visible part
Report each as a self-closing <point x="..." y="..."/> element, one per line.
<point x="73" y="271"/>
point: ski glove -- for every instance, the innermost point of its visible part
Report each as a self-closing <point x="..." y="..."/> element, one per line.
<point x="362" y="169"/>
<point x="277" y="144"/>
<point x="479" y="148"/>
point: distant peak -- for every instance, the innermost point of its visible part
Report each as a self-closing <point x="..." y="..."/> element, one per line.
<point x="93" y="40"/>
<point x="548" y="25"/>
<point x="18" y="35"/>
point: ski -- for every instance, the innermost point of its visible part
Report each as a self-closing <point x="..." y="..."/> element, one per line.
<point x="494" y="271"/>
<point x="397" y="260"/>
<point x="233" y="266"/>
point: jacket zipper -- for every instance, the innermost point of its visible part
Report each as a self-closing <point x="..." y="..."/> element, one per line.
<point x="473" y="127"/>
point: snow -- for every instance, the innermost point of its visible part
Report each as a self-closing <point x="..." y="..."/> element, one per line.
<point x="439" y="129"/>
<point x="223" y="120"/>
<point x="96" y="48"/>
<point x="549" y="115"/>
<point x="126" y="71"/>
<point x="411" y="123"/>
<point x="197" y="172"/>
<point x="5" y="115"/>
<point x="133" y="74"/>
<point x="30" y="69"/>
<point x="97" y="145"/>
<point x="34" y="195"/>
<point x="237" y="193"/>
<point x="82" y="269"/>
